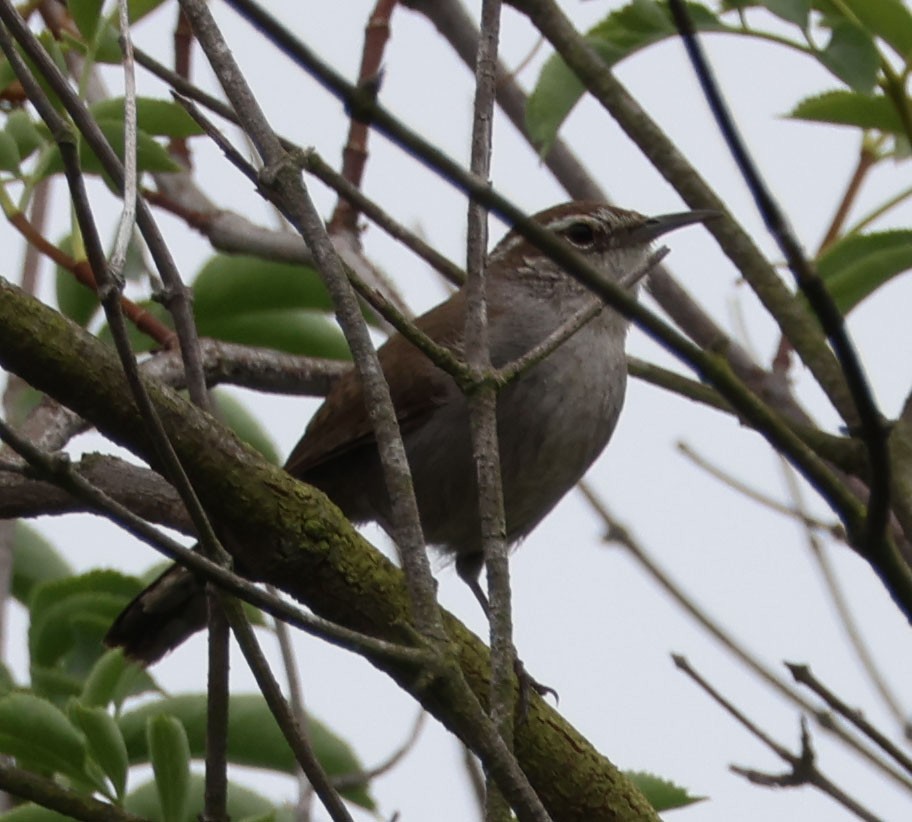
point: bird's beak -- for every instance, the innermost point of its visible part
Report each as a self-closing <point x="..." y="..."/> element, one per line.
<point x="655" y="227"/>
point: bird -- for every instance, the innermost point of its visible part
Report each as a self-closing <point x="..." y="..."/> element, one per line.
<point x="553" y="420"/>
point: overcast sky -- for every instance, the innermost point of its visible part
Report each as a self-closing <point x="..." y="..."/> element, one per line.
<point x="588" y="621"/>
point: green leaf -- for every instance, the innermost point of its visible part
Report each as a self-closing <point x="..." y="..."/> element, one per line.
<point x="242" y="803"/>
<point x="40" y="736"/>
<point x="237" y="283"/>
<point x="162" y="118"/>
<point x="105" y="743"/>
<point x="293" y="331"/>
<point x="75" y="300"/>
<point x="35" y="561"/>
<point x="852" y="56"/>
<point x="106" y="47"/>
<point x="623" y="32"/>
<point x="21" y="128"/>
<point x="86" y="15"/>
<point x="33" y="813"/>
<point x="112" y="679"/>
<point x="9" y="153"/>
<point x="137" y="9"/>
<point x="69" y="618"/>
<point x="230" y="410"/>
<point x="848" y="108"/>
<point x="662" y="794"/>
<point x="170" y="755"/>
<point x="54" y="684"/>
<point x="249" y="300"/>
<point x="856" y="266"/>
<point x="890" y="20"/>
<point x="792" y="11"/>
<point x="150" y="155"/>
<point x="254" y="738"/>
<point x="7" y="683"/>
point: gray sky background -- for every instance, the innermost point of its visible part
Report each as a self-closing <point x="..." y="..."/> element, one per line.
<point x="589" y="621"/>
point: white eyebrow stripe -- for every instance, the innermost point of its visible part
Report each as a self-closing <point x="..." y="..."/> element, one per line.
<point x="566" y="222"/>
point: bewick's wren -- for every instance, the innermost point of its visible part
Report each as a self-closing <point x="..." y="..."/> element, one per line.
<point x="553" y="421"/>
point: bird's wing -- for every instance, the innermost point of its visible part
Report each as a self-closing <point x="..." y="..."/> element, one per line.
<point x="417" y="388"/>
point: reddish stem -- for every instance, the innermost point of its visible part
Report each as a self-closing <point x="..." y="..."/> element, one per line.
<point x="354" y="155"/>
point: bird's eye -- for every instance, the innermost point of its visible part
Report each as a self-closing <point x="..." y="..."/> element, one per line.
<point x="582" y="235"/>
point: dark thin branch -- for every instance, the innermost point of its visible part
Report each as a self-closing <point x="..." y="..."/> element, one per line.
<point x="872" y="428"/>
<point x="354" y="155"/>
<point x="482" y="404"/>
<point x="894" y="573"/>
<point x="616" y="532"/>
<point x="57" y="469"/>
<point x="52" y="795"/>
<point x="314" y="164"/>
<point x="284" y="180"/>
<point x="804" y="675"/>
<point x="108" y="290"/>
<point x="804" y="770"/>
<point x="295" y="737"/>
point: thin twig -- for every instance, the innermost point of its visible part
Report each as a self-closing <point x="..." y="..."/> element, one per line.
<point x="841" y="604"/>
<point x="871" y="424"/>
<point x="834" y="529"/>
<point x="482" y="404"/>
<point x="616" y="532"/>
<point x="127" y="220"/>
<point x="804" y="770"/>
<point x="803" y="674"/>
<point x="287" y="722"/>
<point x="354" y="155"/>
<point x="56" y="468"/>
<point x="351" y="780"/>
<point x="302" y="807"/>
<point x="568" y="328"/>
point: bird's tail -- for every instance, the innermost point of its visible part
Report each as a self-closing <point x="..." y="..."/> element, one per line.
<point x="161" y="617"/>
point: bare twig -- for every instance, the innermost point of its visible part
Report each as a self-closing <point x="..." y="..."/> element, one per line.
<point x="482" y="403"/>
<point x="873" y="540"/>
<point x="295" y="736"/>
<point x="834" y="529"/>
<point x="804" y="770"/>
<point x="803" y="674"/>
<point x="57" y="469"/>
<point x="567" y="329"/>
<point x="354" y="155"/>
<point x="362" y="778"/>
<point x="296" y="701"/>
<point x="849" y="623"/>
<point x="616" y="532"/>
